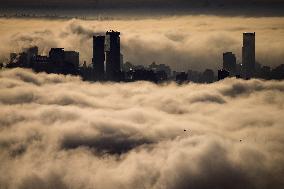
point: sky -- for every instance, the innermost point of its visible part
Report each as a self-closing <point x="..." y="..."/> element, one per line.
<point x="145" y="3"/>
<point x="150" y="7"/>
<point x="60" y="132"/>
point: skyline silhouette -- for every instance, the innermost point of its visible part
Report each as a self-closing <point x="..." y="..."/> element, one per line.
<point x="107" y="64"/>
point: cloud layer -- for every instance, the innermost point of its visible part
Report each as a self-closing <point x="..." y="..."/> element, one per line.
<point x="60" y="132"/>
<point x="188" y="42"/>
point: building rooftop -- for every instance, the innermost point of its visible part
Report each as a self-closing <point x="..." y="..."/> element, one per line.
<point x="249" y="33"/>
<point x="113" y="32"/>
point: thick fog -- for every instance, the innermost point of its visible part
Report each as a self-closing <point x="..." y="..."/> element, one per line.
<point x="60" y="132"/>
<point x="183" y="42"/>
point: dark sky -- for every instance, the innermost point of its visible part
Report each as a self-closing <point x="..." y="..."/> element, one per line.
<point x="256" y="8"/>
<point x="143" y="3"/>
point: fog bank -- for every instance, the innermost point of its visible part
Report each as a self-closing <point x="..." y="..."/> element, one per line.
<point x="60" y="132"/>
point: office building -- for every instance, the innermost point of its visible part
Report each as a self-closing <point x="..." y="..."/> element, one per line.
<point x="222" y="74"/>
<point x="99" y="56"/>
<point x="71" y="57"/>
<point x="229" y="63"/>
<point x="248" y="55"/>
<point x="56" y="56"/>
<point x="121" y="61"/>
<point x="112" y="54"/>
<point x="208" y="76"/>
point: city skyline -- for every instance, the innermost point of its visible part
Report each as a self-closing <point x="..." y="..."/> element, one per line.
<point x="100" y="44"/>
<point x="196" y="45"/>
<point x="108" y="65"/>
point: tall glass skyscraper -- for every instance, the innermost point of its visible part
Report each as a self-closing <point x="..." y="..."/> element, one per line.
<point x="99" y="56"/>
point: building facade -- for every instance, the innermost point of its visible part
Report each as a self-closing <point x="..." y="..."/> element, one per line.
<point x="107" y="59"/>
<point x="229" y="63"/>
<point x="248" y="55"/>
<point x="99" y="56"/>
<point x="112" y="54"/>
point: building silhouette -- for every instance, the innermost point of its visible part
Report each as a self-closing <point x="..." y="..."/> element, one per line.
<point x="108" y="65"/>
<point x="248" y="55"/>
<point x="181" y="77"/>
<point x="278" y="72"/>
<point x="13" y="58"/>
<point x="107" y="59"/>
<point x="160" y="68"/>
<point x="31" y="53"/>
<point x="229" y="63"/>
<point x="194" y="76"/>
<point x="99" y="56"/>
<point x="208" y="76"/>
<point x="24" y="59"/>
<point x="71" y="57"/>
<point x="42" y="64"/>
<point x="112" y="54"/>
<point x="222" y="74"/>
<point x="121" y="62"/>
<point x="71" y="62"/>
<point x="56" y="57"/>
<point x="58" y="61"/>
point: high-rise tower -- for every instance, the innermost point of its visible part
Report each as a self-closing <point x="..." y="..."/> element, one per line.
<point x="99" y="56"/>
<point x="112" y="54"/>
<point x="229" y="63"/>
<point x="248" y="55"/>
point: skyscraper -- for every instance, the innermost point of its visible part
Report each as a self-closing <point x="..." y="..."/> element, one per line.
<point x="32" y="52"/>
<point x="56" y="57"/>
<point x="72" y="57"/>
<point x="121" y="61"/>
<point x="248" y="55"/>
<point x="229" y="63"/>
<point x="99" y="56"/>
<point x="71" y="62"/>
<point x="62" y="62"/>
<point x="112" y="54"/>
